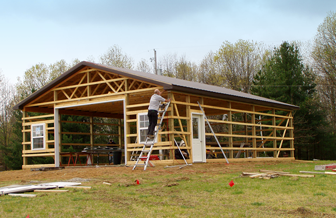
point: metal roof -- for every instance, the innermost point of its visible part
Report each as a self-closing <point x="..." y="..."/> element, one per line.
<point x="168" y="83"/>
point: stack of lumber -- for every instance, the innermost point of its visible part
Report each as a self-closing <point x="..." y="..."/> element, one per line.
<point x="268" y="174"/>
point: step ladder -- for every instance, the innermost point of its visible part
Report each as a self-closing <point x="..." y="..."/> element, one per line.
<point x="180" y="166"/>
<point x="150" y="141"/>
<point x="213" y="132"/>
<point x="135" y="154"/>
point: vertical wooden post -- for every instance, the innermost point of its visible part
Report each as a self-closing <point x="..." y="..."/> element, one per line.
<point x="171" y="125"/>
<point x="230" y="131"/>
<point x="188" y="115"/>
<point x="254" y="140"/>
<point x="24" y="139"/>
<point x="59" y="135"/>
<point x="91" y="132"/>
<point x="128" y="129"/>
<point x="119" y="134"/>
<point x="246" y="128"/>
<point x="274" y="134"/>
<point x="291" y="134"/>
<point x="88" y="82"/>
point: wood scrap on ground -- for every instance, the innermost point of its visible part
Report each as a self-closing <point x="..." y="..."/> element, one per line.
<point x="23" y="195"/>
<point x="268" y="174"/>
<point x="313" y="172"/>
<point x="83" y="187"/>
<point x="50" y="190"/>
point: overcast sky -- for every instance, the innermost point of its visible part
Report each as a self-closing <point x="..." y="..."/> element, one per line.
<point x="46" y="31"/>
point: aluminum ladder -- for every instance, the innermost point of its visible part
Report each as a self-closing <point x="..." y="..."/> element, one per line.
<point x="150" y="141"/>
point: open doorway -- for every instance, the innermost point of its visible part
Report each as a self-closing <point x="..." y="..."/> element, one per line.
<point x="90" y="127"/>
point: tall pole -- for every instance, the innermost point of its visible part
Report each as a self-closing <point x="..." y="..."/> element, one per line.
<point x="155" y="62"/>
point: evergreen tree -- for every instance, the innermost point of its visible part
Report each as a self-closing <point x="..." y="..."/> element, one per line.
<point x="285" y="78"/>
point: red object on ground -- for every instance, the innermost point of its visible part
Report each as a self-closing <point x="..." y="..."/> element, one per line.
<point x="137" y="181"/>
<point x="231" y="183"/>
<point x="27" y="216"/>
<point x="152" y="157"/>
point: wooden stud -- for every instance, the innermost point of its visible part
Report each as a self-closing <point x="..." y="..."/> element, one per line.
<point x="230" y="130"/>
<point x="254" y="142"/>
<point x="291" y="135"/>
<point x="274" y="133"/>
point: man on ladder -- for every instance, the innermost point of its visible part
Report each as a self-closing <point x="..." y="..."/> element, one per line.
<point x="153" y="109"/>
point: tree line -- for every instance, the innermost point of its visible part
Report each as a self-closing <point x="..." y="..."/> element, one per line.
<point x="291" y="73"/>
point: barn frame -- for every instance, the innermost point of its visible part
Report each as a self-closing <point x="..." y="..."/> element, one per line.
<point x="248" y="127"/>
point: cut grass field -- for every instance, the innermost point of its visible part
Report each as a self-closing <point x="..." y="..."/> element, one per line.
<point x="200" y="190"/>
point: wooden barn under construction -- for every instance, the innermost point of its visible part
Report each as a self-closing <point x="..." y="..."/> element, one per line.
<point x="112" y="103"/>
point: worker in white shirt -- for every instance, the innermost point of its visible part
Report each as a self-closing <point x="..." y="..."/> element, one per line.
<point x="153" y="109"/>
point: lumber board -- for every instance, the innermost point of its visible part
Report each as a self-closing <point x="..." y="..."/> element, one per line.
<point x="38" y="155"/>
<point x="271" y="171"/>
<point x="250" y="136"/>
<point x="23" y="195"/>
<point x="52" y="150"/>
<point x="249" y="124"/>
<point x="79" y="187"/>
<point x="298" y="175"/>
<point x="37" y="166"/>
<point x="37" y="117"/>
<point x="233" y="110"/>
<point x="51" y="190"/>
<point x="312" y="172"/>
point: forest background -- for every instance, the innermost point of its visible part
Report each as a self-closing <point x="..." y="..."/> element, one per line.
<point x="296" y="73"/>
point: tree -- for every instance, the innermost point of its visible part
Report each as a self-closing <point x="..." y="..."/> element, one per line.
<point x="324" y="55"/>
<point x="207" y="72"/>
<point x="168" y="65"/>
<point x="7" y="119"/>
<point x="144" y="67"/>
<point x="185" y="69"/>
<point x="284" y="78"/>
<point x="40" y="75"/>
<point x="238" y="63"/>
<point x="115" y="57"/>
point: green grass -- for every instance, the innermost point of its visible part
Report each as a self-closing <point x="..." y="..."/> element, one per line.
<point x="199" y="194"/>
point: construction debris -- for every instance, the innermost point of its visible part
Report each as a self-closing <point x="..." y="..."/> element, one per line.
<point x="268" y="174"/>
<point x="46" y="168"/>
<point x="50" y="190"/>
<point x="325" y="167"/>
<point x="42" y="186"/>
<point x="83" y="187"/>
<point x="313" y="172"/>
<point x="23" y="195"/>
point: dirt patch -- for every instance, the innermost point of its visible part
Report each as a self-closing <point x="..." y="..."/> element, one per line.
<point x="113" y="173"/>
<point x="305" y="212"/>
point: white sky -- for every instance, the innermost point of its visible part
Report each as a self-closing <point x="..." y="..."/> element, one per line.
<point x="46" y="31"/>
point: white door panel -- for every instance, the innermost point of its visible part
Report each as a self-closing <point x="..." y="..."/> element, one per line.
<point x="198" y="143"/>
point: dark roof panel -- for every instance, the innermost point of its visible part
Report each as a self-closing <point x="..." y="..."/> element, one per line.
<point x="168" y="83"/>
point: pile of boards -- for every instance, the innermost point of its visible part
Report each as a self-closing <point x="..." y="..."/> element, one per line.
<point x="13" y="190"/>
<point x="268" y="174"/>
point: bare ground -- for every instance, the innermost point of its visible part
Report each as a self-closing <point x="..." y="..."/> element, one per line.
<point x="113" y="171"/>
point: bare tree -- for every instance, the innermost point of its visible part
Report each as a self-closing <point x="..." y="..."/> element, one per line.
<point x="185" y="69"/>
<point x="238" y="63"/>
<point x="168" y="65"/>
<point x="115" y="57"/>
<point x="208" y="72"/>
<point x="144" y="67"/>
